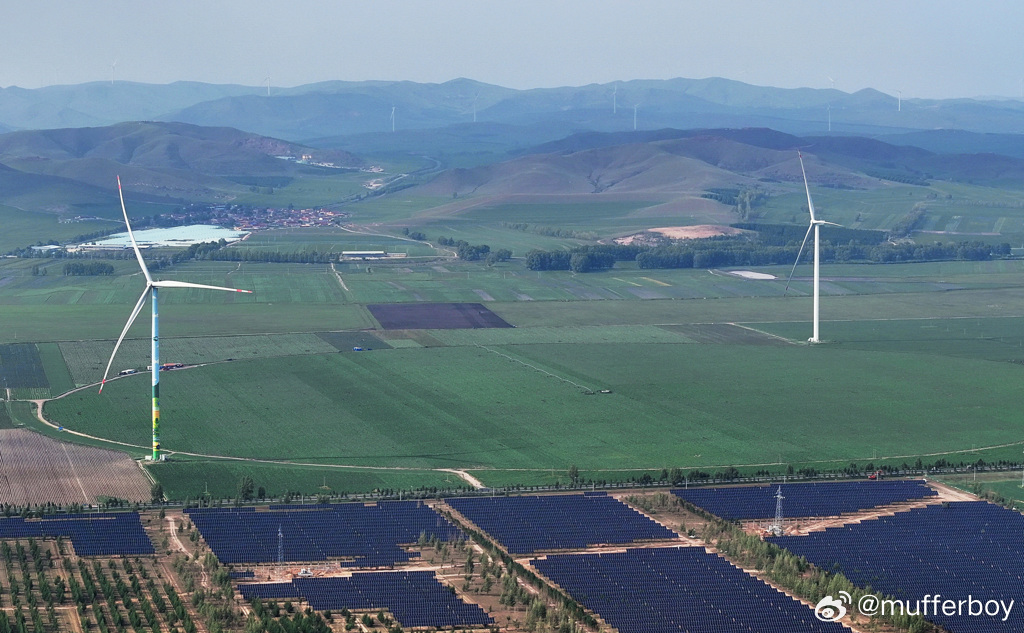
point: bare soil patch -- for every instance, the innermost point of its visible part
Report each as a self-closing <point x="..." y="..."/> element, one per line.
<point x="697" y="231"/>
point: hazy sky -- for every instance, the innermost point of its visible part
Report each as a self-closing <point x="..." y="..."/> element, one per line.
<point x="926" y="48"/>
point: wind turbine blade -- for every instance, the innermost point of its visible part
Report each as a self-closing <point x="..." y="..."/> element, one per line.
<point x="138" y="255"/>
<point x="798" y="254"/>
<point x="828" y="223"/>
<point x="810" y="205"/>
<point x="127" y="326"/>
<point x="185" y="284"/>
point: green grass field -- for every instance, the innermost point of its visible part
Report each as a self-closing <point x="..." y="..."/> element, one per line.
<point x="86" y="360"/>
<point x="705" y="406"/>
<point x="330" y="240"/>
<point x="195" y="478"/>
<point x="19" y="229"/>
<point x="705" y="369"/>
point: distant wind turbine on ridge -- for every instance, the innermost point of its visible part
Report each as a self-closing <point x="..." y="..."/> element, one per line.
<point x="615" y="99"/>
<point x="112" y="67"/>
<point x="267" y="79"/>
<point x="151" y="290"/>
<point x="815" y="225"/>
<point x="635" y="106"/>
<point x="392" y="118"/>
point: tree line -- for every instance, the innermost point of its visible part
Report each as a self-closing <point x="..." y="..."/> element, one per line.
<point x="78" y="269"/>
<point x="776" y="245"/>
<point x="475" y="252"/>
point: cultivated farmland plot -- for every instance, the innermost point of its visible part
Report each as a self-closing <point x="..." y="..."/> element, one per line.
<point x="330" y="240"/>
<point x="21" y="367"/>
<point x="35" y="469"/>
<point x="527" y="407"/>
<point x="183" y="478"/>
<point x="563" y="335"/>
<point x="87" y="359"/>
<point x="697" y="362"/>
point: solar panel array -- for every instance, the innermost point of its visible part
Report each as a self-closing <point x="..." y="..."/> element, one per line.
<point x="119" y="534"/>
<point x="528" y="524"/>
<point x="371" y="535"/>
<point x="658" y="590"/>
<point x="415" y="598"/>
<point x="819" y="499"/>
<point x="960" y="550"/>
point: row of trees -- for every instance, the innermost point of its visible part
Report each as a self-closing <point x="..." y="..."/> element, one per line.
<point x="720" y="252"/>
<point x="794" y="573"/>
<point x="549" y="231"/>
<point x="582" y="259"/>
<point x="77" y="269"/>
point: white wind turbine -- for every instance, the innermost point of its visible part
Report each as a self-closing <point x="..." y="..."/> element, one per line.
<point x="635" y="106"/>
<point x="392" y="118"/>
<point x="815" y="225"/>
<point x="267" y="79"/>
<point x="615" y="99"/>
<point x="151" y="289"/>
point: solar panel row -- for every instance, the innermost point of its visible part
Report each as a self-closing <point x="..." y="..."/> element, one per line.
<point x="662" y="590"/>
<point x="818" y="499"/>
<point x="959" y="551"/>
<point x="415" y="598"/>
<point x="118" y="534"/>
<point x="371" y="535"/>
<point x="528" y="524"/>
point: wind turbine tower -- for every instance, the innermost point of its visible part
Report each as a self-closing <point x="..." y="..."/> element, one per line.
<point x="474" y="106"/>
<point x="615" y="99"/>
<point x="899" y="101"/>
<point x="112" y="67"/>
<point x="267" y="79"/>
<point x="815" y="225"/>
<point x="152" y="286"/>
<point x="392" y="118"/>
<point x="634" y="115"/>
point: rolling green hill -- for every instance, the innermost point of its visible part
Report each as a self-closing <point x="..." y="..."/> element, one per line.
<point x="157" y="162"/>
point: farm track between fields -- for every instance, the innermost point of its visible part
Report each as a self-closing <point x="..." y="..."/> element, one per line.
<point x="462" y="474"/>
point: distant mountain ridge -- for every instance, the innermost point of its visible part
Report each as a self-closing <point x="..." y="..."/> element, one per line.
<point x="340" y="108"/>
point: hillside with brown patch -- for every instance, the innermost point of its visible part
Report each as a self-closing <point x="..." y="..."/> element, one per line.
<point x="685" y="166"/>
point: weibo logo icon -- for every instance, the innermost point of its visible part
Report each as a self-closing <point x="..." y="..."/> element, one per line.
<point x="830" y="609"/>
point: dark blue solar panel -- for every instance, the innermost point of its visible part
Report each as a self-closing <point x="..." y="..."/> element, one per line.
<point x="527" y="524"/>
<point x="415" y="598"/>
<point x="961" y="550"/>
<point x="119" y="534"/>
<point x="819" y="499"/>
<point x="671" y="589"/>
<point x="370" y="535"/>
